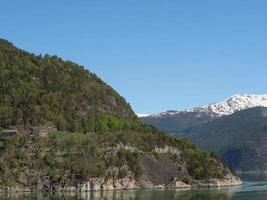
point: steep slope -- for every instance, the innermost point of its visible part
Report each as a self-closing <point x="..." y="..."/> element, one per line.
<point x="64" y="129"/>
<point x="36" y="89"/>
<point x="176" y="122"/>
<point x="240" y="139"/>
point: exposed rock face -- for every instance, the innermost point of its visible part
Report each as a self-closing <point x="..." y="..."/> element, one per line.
<point x="159" y="187"/>
<point x="182" y="185"/>
<point x="108" y="185"/>
<point x="15" y="189"/>
<point x="230" y="180"/>
<point x="127" y="183"/>
<point x="42" y="130"/>
<point x="167" y="149"/>
<point x="96" y="183"/>
<point x="86" y="187"/>
<point x="8" y="132"/>
<point x="125" y="147"/>
<point x="66" y="189"/>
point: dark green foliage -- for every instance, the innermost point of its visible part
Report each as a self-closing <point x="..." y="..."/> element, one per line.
<point x="132" y="160"/>
<point x="70" y="158"/>
<point x="122" y="173"/>
<point x="239" y="139"/>
<point x="203" y="166"/>
<point x="92" y="120"/>
<point x="187" y="180"/>
<point x="36" y="89"/>
<point x="178" y="123"/>
<point x="200" y="165"/>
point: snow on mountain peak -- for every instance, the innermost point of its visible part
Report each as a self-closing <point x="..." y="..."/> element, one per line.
<point x="234" y="103"/>
<point x="167" y="113"/>
<point x="229" y="106"/>
<point x="142" y="115"/>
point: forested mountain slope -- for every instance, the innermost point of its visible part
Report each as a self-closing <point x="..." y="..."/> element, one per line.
<point x="64" y="129"/>
<point x="36" y="89"/>
<point x="240" y="139"/>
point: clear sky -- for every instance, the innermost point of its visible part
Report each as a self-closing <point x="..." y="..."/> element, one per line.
<point x="158" y="54"/>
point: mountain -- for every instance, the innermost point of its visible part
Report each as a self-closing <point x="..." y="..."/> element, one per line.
<point x="64" y="129"/>
<point x="36" y="89"/>
<point x="142" y="115"/>
<point x="242" y="139"/>
<point x="235" y="129"/>
<point x="176" y="122"/>
<point x="233" y="104"/>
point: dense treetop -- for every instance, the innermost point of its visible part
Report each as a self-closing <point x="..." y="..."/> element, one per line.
<point x="36" y="89"/>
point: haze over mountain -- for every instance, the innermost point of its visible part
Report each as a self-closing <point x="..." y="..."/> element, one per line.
<point x="235" y="129"/>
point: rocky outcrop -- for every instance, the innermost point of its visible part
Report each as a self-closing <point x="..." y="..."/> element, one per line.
<point x="96" y="183"/>
<point x="15" y="189"/>
<point x="167" y="149"/>
<point x="121" y="146"/>
<point x="156" y="175"/>
<point x="43" y="131"/>
<point x="181" y="185"/>
<point x="127" y="183"/>
<point x="229" y="180"/>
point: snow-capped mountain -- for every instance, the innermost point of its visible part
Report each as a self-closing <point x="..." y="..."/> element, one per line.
<point x="142" y="115"/>
<point x="177" y="122"/>
<point x="233" y="104"/>
<point x="235" y="129"/>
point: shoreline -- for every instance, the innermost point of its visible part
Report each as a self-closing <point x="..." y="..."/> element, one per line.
<point x="208" y="184"/>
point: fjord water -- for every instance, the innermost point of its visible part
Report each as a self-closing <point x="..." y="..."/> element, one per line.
<point x="248" y="191"/>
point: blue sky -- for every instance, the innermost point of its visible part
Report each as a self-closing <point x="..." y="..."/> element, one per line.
<point x="158" y="54"/>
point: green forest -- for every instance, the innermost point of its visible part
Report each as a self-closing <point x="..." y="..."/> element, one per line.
<point x="91" y="119"/>
<point x="37" y="89"/>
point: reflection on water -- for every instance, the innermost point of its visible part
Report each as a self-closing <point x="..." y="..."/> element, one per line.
<point x="249" y="191"/>
<point x="129" y="195"/>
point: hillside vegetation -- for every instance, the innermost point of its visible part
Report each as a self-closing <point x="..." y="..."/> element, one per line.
<point x="242" y="139"/>
<point x="69" y="126"/>
<point x="36" y="89"/>
<point x="178" y="123"/>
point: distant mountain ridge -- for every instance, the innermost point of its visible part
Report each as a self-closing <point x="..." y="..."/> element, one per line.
<point x="229" y="106"/>
<point x="176" y="122"/>
<point x="239" y="139"/>
<point x="233" y="104"/>
<point x="235" y="129"/>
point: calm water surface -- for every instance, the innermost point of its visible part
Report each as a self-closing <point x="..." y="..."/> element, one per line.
<point x="248" y="191"/>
